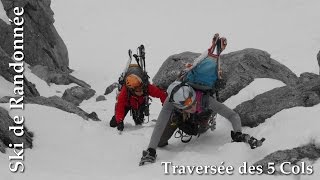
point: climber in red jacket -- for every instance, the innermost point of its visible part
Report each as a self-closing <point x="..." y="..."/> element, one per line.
<point x="133" y="96"/>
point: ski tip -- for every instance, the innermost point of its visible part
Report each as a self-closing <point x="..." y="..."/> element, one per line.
<point x="262" y="139"/>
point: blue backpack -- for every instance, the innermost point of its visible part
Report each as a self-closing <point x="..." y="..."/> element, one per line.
<point x="204" y="75"/>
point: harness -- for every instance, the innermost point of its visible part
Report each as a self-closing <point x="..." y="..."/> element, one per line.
<point x="189" y="125"/>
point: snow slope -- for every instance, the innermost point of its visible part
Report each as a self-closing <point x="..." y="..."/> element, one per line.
<point x="98" y="34"/>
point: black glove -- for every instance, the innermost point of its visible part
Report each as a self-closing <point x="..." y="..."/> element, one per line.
<point x="120" y="126"/>
<point x="240" y="137"/>
<point x="220" y="84"/>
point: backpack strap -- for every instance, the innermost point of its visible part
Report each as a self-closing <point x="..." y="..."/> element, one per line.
<point x="175" y="89"/>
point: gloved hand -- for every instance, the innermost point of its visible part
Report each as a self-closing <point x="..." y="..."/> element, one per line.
<point x="242" y="137"/>
<point x="239" y="136"/>
<point x="120" y="126"/>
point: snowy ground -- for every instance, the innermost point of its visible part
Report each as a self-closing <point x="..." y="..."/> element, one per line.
<point x="98" y="34"/>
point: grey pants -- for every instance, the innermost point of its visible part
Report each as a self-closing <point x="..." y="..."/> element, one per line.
<point x="163" y="130"/>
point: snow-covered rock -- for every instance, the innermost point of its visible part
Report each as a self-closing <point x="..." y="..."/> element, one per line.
<point x="263" y="106"/>
<point x="77" y="94"/>
<point x="53" y="101"/>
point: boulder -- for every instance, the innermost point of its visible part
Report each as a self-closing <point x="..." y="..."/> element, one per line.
<point x="8" y="137"/>
<point x="294" y="156"/>
<point x="100" y="98"/>
<point x="77" y="94"/>
<point x="240" y="68"/>
<point x="263" y="106"/>
<point x="43" y="45"/>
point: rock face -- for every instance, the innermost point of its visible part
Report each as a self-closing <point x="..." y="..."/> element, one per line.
<point x="56" y="102"/>
<point x="8" y="74"/>
<point x="60" y="78"/>
<point x="310" y="151"/>
<point x="306" y="93"/>
<point x="8" y="137"/>
<point x="318" y="58"/>
<point x="6" y="37"/>
<point x="77" y="94"/>
<point x="42" y="43"/>
<point x="240" y="68"/>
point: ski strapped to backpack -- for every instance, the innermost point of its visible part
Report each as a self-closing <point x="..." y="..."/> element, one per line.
<point x="141" y="60"/>
<point x="138" y="69"/>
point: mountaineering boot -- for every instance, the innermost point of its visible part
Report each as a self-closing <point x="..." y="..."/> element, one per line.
<point x="149" y="156"/>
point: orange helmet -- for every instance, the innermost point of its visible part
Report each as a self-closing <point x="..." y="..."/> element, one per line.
<point x="133" y="81"/>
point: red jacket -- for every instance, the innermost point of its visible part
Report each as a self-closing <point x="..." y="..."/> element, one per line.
<point x="135" y="101"/>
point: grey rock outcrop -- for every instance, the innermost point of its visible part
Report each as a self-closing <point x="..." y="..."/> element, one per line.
<point x="2" y="147"/>
<point x="60" y="78"/>
<point x="306" y="93"/>
<point x="240" y="68"/>
<point x="55" y="102"/>
<point x="294" y="156"/>
<point x="8" y="137"/>
<point x="43" y="45"/>
<point x="77" y="94"/>
<point x="6" y="37"/>
<point x="8" y="74"/>
<point x="318" y="58"/>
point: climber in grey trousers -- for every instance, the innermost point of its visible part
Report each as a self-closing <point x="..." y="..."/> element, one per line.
<point x="187" y="99"/>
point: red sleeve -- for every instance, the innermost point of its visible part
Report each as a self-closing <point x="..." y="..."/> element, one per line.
<point x="154" y="91"/>
<point x="121" y="104"/>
